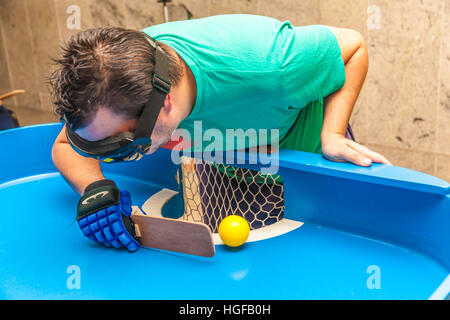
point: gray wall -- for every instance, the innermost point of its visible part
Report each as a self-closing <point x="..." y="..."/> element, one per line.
<point x="403" y="110"/>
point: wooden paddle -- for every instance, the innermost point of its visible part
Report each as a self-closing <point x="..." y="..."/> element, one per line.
<point x="173" y="235"/>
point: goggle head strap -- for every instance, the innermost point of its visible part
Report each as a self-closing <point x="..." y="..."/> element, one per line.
<point x="161" y="87"/>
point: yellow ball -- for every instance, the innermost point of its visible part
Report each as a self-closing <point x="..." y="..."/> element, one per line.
<point x="234" y="230"/>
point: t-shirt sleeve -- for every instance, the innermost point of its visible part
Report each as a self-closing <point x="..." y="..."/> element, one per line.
<point x="311" y="64"/>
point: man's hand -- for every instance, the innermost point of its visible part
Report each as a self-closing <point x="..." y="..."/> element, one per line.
<point x="104" y="215"/>
<point x="338" y="148"/>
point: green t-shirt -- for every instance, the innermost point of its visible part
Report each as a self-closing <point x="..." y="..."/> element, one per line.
<point x="253" y="72"/>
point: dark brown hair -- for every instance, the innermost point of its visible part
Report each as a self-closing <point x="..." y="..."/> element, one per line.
<point x="110" y="67"/>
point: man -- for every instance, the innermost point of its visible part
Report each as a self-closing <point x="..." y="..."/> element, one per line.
<point x="227" y="72"/>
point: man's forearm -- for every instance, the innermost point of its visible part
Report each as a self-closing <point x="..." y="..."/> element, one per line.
<point x="78" y="171"/>
<point x="339" y="105"/>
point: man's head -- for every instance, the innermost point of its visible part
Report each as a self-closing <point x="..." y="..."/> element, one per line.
<point x="103" y="79"/>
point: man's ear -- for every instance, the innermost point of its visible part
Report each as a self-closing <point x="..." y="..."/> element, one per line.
<point x="168" y="103"/>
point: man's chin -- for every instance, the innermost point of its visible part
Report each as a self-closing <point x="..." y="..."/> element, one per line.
<point x="160" y="143"/>
<point x="152" y="149"/>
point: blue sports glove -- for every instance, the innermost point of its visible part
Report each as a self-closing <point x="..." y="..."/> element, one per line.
<point x="103" y="215"/>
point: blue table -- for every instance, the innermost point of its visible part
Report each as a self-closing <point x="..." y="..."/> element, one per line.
<point x="369" y="233"/>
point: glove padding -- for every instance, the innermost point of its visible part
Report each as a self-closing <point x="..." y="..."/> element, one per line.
<point x="103" y="215"/>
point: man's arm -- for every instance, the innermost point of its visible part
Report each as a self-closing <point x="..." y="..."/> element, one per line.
<point x="78" y="171"/>
<point x="338" y="106"/>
